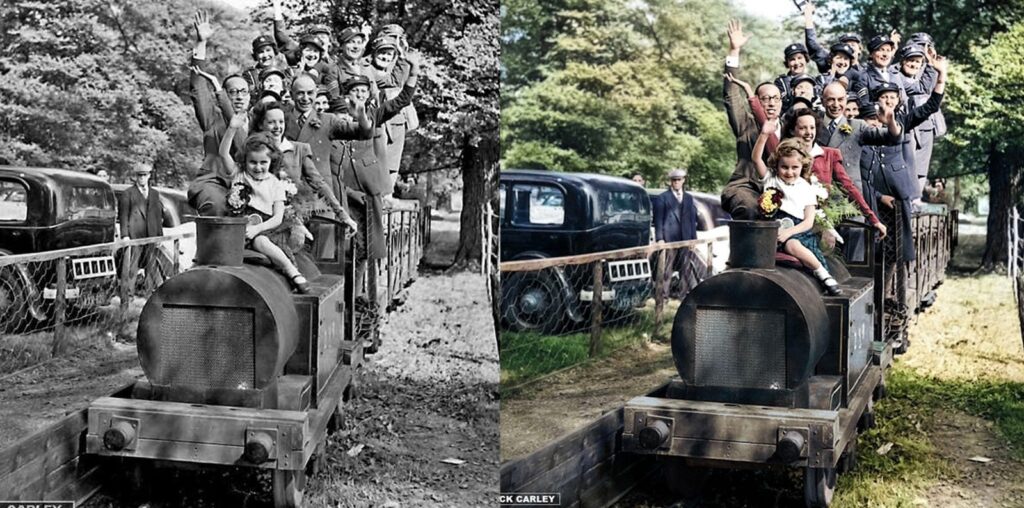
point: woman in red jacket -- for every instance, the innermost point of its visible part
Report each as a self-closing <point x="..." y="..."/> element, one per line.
<point x="827" y="164"/>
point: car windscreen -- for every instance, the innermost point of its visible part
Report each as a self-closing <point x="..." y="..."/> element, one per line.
<point x="13" y="201"/>
<point x="622" y="206"/>
<point x="83" y="202"/>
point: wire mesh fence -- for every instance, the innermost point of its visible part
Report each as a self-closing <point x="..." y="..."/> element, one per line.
<point x="558" y="312"/>
<point x="1015" y="261"/>
<point x="53" y="301"/>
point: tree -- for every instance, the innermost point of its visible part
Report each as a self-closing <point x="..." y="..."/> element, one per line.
<point x="622" y="87"/>
<point x="86" y="84"/>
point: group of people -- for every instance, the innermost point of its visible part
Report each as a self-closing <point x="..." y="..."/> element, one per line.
<point x="864" y="126"/>
<point x="305" y="130"/>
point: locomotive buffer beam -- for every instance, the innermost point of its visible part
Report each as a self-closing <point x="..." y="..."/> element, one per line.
<point x="721" y="434"/>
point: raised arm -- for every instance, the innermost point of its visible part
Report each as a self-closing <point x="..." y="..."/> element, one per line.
<point x="392" y="107"/>
<point x="768" y="129"/>
<point x="917" y="115"/>
<point x="207" y="95"/>
<point x="237" y="124"/>
<point x="818" y="54"/>
<point x="360" y="128"/>
<point x="739" y="116"/>
<point x="286" y="44"/>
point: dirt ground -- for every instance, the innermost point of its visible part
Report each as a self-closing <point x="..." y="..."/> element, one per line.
<point x="429" y="395"/>
<point x="970" y="333"/>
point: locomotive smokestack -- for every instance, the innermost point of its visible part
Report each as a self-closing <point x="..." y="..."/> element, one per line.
<point x="752" y="243"/>
<point x="219" y="240"/>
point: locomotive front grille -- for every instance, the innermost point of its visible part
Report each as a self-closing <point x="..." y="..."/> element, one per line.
<point x="740" y="348"/>
<point x="206" y="347"/>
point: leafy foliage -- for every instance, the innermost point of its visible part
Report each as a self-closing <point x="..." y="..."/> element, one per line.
<point x="619" y="87"/>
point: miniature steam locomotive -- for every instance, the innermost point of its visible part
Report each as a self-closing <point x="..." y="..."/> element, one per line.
<point x="238" y="369"/>
<point x="771" y="372"/>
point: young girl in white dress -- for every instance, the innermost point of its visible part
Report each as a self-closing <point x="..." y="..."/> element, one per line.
<point x="786" y="170"/>
<point x="260" y="159"/>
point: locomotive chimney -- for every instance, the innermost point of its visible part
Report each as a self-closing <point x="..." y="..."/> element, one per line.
<point x="752" y="243"/>
<point x="219" y="240"/>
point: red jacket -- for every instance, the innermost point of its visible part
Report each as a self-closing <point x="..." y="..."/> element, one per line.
<point x="828" y="166"/>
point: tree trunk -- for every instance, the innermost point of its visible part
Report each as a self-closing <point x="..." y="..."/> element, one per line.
<point x="1001" y="185"/>
<point x="479" y="185"/>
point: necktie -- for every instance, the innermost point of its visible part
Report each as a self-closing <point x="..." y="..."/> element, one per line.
<point x="832" y="127"/>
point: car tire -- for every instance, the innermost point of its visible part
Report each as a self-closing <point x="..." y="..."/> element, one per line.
<point x="14" y="302"/>
<point x="532" y="301"/>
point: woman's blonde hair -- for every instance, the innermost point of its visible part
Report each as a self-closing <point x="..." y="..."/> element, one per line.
<point x="788" y="148"/>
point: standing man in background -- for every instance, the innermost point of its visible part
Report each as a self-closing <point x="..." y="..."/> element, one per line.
<point x="140" y="214"/>
<point x="675" y="220"/>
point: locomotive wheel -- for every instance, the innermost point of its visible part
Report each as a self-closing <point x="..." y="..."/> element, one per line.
<point x="867" y="418"/>
<point x="848" y="460"/>
<point x="819" y="486"/>
<point x="288" y="487"/>
<point x="881" y="390"/>
<point x="532" y="302"/>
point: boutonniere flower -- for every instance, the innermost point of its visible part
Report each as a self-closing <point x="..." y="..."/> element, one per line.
<point x="314" y="121"/>
<point x="846" y="129"/>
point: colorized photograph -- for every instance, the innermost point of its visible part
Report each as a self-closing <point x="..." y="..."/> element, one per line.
<point x="248" y="253"/>
<point x="761" y="254"/>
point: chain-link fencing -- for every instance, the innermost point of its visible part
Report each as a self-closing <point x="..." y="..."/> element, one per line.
<point x="55" y="301"/>
<point x="558" y="312"/>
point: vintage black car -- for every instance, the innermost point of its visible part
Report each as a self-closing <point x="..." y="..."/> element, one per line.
<point x="547" y="214"/>
<point x="43" y="209"/>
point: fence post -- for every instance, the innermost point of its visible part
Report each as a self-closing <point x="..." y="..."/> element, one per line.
<point x="595" y="325"/>
<point x="59" y="308"/>
<point x="659" y="294"/>
<point x="176" y="263"/>
<point x="126" y="282"/>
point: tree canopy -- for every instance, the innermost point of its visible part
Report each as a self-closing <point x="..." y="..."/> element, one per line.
<point x="623" y="87"/>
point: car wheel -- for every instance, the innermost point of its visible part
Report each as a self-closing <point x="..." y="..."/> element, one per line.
<point x="532" y="301"/>
<point x="14" y="304"/>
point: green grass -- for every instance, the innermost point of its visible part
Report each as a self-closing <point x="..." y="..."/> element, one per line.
<point x="896" y="478"/>
<point x="528" y="355"/>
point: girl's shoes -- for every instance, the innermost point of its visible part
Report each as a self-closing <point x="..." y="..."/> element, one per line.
<point x="300" y="283"/>
<point x="831" y="286"/>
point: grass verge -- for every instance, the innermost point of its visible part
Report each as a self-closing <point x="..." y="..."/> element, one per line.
<point x="528" y="355"/>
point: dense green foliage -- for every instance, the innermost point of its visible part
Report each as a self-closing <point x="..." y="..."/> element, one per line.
<point x="87" y="84"/>
<point x="620" y="87"/>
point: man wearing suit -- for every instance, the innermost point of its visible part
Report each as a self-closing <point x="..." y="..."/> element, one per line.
<point x="740" y="195"/>
<point x="849" y="135"/>
<point x="675" y="220"/>
<point x="140" y="214"/>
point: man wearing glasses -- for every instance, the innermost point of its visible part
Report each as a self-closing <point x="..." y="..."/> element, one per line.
<point x="740" y="195"/>
<point x="215" y="104"/>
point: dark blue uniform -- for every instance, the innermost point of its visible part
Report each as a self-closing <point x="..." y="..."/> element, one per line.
<point x="885" y="170"/>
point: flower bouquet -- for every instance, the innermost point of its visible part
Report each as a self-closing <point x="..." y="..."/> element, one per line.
<point x="770" y="202"/>
<point x="238" y="198"/>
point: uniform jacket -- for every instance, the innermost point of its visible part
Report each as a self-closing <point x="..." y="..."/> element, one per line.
<point x="361" y="161"/>
<point x="674" y="221"/>
<point x="318" y="131"/>
<point x="849" y="144"/>
<point x="140" y="217"/>
<point x="871" y="77"/>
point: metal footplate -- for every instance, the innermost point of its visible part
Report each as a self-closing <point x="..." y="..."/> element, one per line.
<point x="266" y="438"/>
<point x="726" y="434"/>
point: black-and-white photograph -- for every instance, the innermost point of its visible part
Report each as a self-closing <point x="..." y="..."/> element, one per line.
<point x="248" y="253"/>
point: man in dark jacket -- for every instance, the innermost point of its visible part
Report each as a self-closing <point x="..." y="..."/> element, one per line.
<point x="140" y="214"/>
<point x="675" y="220"/>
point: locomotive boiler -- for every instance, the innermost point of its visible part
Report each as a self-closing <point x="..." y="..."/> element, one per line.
<point x="238" y="370"/>
<point x="771" y="371"/>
